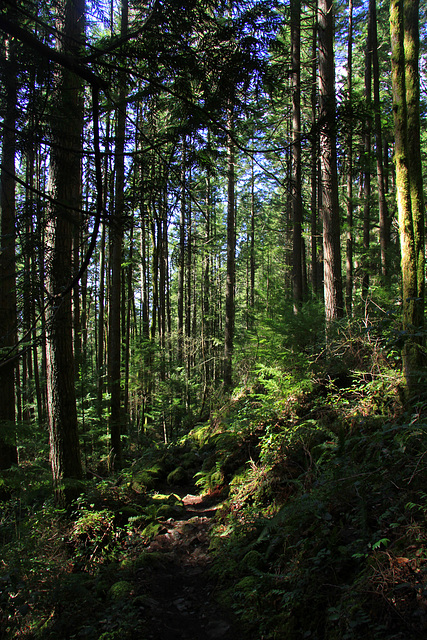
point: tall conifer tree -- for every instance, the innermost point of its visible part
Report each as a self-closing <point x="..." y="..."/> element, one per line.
<point x="8" y="323"/>
<point x="330" y="205"/>
<point x="65" y="192"/>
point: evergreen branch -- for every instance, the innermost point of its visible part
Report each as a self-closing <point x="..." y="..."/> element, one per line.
<point x="53" y="55"/>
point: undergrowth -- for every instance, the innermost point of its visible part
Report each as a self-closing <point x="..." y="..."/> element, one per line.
<point x="322" y="531"/>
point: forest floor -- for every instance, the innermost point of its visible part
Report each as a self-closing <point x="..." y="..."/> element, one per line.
<point x="178" y="589"/>
<point x="299" y="519"/>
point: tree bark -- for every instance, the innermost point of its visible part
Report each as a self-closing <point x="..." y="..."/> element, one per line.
<point x="407" y="181"/>
<point x="181" y="266"/>
<point x="206" y="292"/>
<point x="8" y="328"/>
<point x="190" y="293"/>
<point x="314" y="160"/>
<point x="367" y="161"/>
<point x="350" y="206"/>
<point x="328" y="145"/>
<point x="297" y="271"/>
<point x="412" y="86"/>
<point x="116" y="249"/>
<point x="128" y="303"/>
<point x="231" y="269"/>
<point x="65" y="189"/>
<point x="252" y="253"/>
<point x="384" y="235"/>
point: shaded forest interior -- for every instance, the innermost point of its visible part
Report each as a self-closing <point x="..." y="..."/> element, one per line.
<point x="213" y="416"/>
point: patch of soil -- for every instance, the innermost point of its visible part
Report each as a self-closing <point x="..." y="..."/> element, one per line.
<point x="177" y="590"/>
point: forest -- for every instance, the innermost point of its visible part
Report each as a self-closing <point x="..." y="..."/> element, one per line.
<point x="213" y="409"/>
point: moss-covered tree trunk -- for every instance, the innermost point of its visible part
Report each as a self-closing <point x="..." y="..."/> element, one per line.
<point x="412" y="86"/>
<point x="405" y="85"/>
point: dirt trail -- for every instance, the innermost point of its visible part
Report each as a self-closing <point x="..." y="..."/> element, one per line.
<point x="178" y="591"/>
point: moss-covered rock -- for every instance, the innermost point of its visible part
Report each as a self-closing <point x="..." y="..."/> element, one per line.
<point x="178" y="476"/>
<point x="146" y="478"/>
<point x="166" y="511"/>
<point x="120" y="590"/>
<point x="124" y="514"/>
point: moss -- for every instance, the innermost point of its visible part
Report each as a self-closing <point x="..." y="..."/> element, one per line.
<point x="177" y="476"/>
<point x="175" y="500"/>
<point x="146" y="478"/>
<point x="138" y="521"/>
<point x="171" y="499"/>
<point x="166" y="511"/>
<point x="142" y="601"/>
<point x="248" y="584"/>
<point x="124" y="514"/>
<point x="189" y="460"/>
<point x="200" y="433"/>
<point x="160" y="497"/>
<point x="150" y="559"/>
<point x="127" y="564"/>
<point x="252" y="560"/>
<point x="166" y="506"/>
<point x="120" y="590"/>
<point x="151" y="530"/>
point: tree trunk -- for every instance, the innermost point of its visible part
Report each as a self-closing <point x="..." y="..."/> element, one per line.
<point x="65" y="191"/>
<point x="102" y="273"/>
<point x="155" y="279"/>
<point x="189" y="286"/>
<point x="206" y="301"/>
<point x="384" y="235"/>
<point x="101" y="320"/>
<point x="297" y="272"/>
<point x="252" y="253"/>
<point x="407" y="180"/>
<point x="116" y="249"/>
<point x="231" y="259"/>
<point x="349" y="240"/>
<point x="367" y="162"/>
<point x="8" y="452"/>
<point x="328" y="145"/>
<point x="181" y="267"/>
<point x="314" y="155"/>
<point x="128" y="303"/>
<point x="412" y="84"/>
